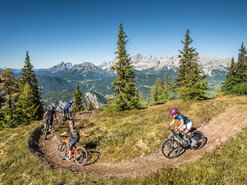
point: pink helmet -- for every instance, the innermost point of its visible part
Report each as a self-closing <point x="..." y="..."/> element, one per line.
<point x="173" y="111"/>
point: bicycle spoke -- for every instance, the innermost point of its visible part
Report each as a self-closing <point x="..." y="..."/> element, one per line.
<point x="170" y="148"/>
<point x="80" y="156"/>
<point x="61" y="151"/>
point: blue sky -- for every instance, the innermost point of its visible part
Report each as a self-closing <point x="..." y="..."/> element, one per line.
<point x="79" y="31"/>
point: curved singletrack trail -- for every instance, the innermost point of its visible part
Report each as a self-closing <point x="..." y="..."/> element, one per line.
<point x="218" y="131"/>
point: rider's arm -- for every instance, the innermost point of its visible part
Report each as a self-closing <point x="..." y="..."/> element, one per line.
<point x="65" y="132"/>
<point x="173" y="121"/>
<point x="181" y="124"/>
<point x="45" y="113"/>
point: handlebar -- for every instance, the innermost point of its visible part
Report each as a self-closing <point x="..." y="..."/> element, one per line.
<point x="174" y="130"/>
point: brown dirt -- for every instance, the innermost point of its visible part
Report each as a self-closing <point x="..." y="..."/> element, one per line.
<point x="218" y="131"/>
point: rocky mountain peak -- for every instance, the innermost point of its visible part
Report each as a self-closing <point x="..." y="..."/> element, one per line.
<point x="141" y="62"/>
<point x="84" y="65"/>
<point x="61" y="67"/>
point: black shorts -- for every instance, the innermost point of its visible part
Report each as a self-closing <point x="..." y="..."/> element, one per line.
<point x="48" y="121"/>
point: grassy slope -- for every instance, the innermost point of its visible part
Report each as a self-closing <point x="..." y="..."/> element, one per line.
<point x="116" y="134"/>
<point x="121" y="136"/>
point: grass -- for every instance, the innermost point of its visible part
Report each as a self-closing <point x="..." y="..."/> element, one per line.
<point x="124" y="135"/>
<point x="129" y="134"/>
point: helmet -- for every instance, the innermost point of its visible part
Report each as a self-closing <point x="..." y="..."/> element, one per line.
<point x="52" y="107"/>
<point x="173" y="111"/>
<point x="71" y="101"/>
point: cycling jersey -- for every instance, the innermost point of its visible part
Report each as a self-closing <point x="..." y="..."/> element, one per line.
<point x="68" y="105"/>
<point x="49" y="115"/>
<point x="182" y="117"/>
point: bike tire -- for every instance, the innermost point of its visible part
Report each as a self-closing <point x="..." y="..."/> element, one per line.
<point x="61" y="151"/>
<point x="200" y="139"/>
<point x="80" y="156"/>
<point x="171" y="148"/>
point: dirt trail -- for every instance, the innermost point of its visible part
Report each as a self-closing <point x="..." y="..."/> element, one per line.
<point x="218" y="131"/>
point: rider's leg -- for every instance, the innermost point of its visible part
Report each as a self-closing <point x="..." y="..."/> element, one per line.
<point x="187" y="128"/>
<point x="46" y="122"/>
<point x="67" y="112"/>
<point x="72" y="143"/>
<point x="50" y="125"/>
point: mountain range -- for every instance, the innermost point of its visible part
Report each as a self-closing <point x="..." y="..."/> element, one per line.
<point x="64" y="75"/>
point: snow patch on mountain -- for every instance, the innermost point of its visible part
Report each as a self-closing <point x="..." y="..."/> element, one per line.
<point x="171" y="62"/>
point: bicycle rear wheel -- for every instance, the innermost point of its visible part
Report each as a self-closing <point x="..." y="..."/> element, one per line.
<point x="171" y="148"/>
<point x="200" y="139"/>
<point x="61" y="151"/>
<point x="80" y="156"/>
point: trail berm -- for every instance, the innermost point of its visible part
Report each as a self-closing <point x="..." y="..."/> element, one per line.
<point x="218" y="131"/>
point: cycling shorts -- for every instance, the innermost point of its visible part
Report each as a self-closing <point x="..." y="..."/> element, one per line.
<point x="72" y="143"/>
<point x="187" y="126"/>
<point x="47" y="121"/>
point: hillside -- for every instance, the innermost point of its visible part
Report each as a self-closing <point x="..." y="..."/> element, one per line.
<point x="60" y="98"/>
<point x="117" y="137"/>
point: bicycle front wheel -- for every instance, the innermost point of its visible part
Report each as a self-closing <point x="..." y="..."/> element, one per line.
<point x="61" y="151"/>
<point x="80" y="156"/>
<point x="171" y="148"/>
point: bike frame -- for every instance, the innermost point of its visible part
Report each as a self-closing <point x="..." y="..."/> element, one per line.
<point x="73" y="149"/>
<point x="178" y="137"/>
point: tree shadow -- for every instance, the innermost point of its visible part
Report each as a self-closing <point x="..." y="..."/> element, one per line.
<point x="33" y="142"/>
<point x="93" y="157"/>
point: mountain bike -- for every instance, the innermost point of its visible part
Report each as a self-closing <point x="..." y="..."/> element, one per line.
<point x="79" y="154"/>
<point x="69" y="116"/>
<point x="172" y="146"/>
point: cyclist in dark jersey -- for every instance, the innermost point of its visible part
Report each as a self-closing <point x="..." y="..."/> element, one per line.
<point x="49" y="117"/>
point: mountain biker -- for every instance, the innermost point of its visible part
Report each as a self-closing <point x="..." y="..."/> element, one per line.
<point x="67" y="107"/>
<point x="49" y="116"/>
<point x="74" y="137"/>
<point x="185" y="124"/>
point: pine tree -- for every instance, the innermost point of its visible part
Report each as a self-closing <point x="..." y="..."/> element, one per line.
<point x="167" y="93"/>
<point x="78" y="99"/>
<point x="139" y="96"/>
<point x="28" y="76"/>
<point x="156" y="91"/>
<point x="9" y="94"/>
<point x="26" y="109"/>
<point x="236" y="79"/>
<point x="230" y="77"/>
<point x="241" y="65"/>
<point x="190" y="82"/>
<point x="90" y="105"/>
<point x="124" y="96"/>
